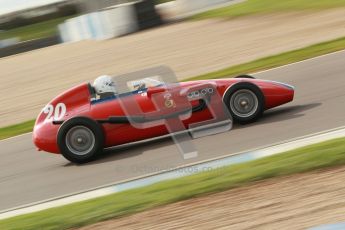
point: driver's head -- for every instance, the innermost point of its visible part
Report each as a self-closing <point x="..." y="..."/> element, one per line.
<point x="104" y="85"/>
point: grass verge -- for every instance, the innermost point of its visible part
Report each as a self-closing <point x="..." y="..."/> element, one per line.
<point x="14" y="130"/>
<point x="253" y="66"/>
<point x="325" y="154"/>
<point x="277" y="60"/>
<point x="162" y="1"/>
<point x="34" y="31"/>
<point x="251" y="7"/>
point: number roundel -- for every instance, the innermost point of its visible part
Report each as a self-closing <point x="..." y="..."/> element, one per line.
<point x="56" y="113"/>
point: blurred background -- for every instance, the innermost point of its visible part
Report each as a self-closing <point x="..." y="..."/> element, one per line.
<point x="35" y="24"/>
<point x="28" y="25"/>
<point x="48" y="46"/>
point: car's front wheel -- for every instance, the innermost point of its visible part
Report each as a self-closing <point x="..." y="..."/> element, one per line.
<point x="80" y="139"/>
<point x="245" y="76"/>
<point x="245" y="102"/>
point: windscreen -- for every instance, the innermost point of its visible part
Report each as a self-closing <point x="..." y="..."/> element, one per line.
<point x="143" y="84"/>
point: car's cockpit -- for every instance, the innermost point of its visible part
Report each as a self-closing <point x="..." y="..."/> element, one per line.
<point x="123" y="88"/>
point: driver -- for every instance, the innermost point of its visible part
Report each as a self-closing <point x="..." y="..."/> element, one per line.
<point x="105" y="86"/>
<point x="139" y="85"/>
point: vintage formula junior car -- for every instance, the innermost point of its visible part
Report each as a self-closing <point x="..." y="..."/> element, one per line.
<point x="88" y="118"/>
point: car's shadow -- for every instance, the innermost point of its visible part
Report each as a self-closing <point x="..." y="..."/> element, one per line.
<point x="127" y="151"/>
<point x="281" y="114"/>
<point x="131" y="150"/>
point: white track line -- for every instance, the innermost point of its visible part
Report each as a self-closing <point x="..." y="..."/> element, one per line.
<point x="177" y="172"/>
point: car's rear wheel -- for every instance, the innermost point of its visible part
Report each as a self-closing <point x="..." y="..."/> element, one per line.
<point x="245" y="102"/>
<point x="80" y="139"/>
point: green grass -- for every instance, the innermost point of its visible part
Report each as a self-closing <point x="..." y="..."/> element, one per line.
<point x="276" y="60"/>
<point x="326" y="154"/>
<point x="257" y="65"/>
<point x="15" y="130"/>
<point x="162" y="1"/>
<point x="34" y="31"/>
<point x="251" y="7"/>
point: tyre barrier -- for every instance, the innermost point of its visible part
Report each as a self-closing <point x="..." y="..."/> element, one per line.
<point x="110" y="22"/>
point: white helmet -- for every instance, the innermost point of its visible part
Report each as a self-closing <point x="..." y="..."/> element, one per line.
<point x="104" y="84"/>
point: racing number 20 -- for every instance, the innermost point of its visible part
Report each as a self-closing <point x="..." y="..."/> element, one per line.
<point x="57" y="113"/>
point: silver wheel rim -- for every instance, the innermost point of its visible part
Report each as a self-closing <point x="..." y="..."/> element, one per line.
<point x="244" y="103"/>
<point x="80" y="140"/>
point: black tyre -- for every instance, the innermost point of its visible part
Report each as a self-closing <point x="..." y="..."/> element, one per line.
<point x="245" y="76"/>
<point x="80" y="139"/>
<point x="245" y="102"/>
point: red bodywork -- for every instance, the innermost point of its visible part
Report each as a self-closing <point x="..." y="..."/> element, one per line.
<point x="78" y="102"/>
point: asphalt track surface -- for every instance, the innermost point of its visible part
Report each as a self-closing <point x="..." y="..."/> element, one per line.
<point x="29" y="176"/>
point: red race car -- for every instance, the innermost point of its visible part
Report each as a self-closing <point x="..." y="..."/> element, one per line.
<point x="88" y="118"/>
